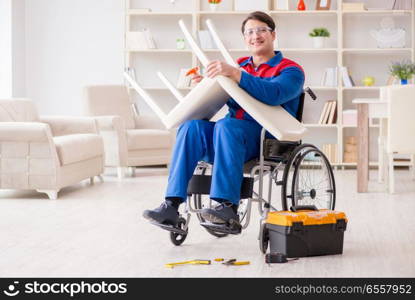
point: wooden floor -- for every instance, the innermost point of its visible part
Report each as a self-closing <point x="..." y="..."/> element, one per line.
<point x="97" y="230"/>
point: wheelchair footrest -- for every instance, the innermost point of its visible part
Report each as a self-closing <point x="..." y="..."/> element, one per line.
<point x="200" y="184"/>
<point x="234" y="228"/>
<point x="170" y="228"/>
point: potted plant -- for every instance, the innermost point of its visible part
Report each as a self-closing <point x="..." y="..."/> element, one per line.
<point x="403" y="70"/>
<point x="214" y="4"/>
<point x="319" y="36"/>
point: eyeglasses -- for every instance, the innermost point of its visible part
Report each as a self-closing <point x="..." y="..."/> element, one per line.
<point x="258" y="30"/>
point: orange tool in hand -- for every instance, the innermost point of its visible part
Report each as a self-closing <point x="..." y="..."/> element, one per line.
<point x="193" y="71"/>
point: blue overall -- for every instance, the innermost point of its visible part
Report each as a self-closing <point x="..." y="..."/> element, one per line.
<point x="235" y="139"/>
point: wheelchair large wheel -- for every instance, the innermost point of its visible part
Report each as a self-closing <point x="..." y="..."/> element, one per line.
<point x="308" y="179"/>
<point x="197" y="198"/>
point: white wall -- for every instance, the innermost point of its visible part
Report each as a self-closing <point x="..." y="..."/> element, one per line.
<point x="5" y="49"/>
<point x="70" y="44"/>
<point x="18" y="49"/>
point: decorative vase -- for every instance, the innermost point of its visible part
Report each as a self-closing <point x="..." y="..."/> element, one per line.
<point x="319" y="42"/>
<point x="213" y="6"/>
<point x="301" y="5"/>
<point x="404" y="81"/>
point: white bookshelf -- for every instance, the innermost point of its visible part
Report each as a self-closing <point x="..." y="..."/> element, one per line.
<point x="350" y="45"/>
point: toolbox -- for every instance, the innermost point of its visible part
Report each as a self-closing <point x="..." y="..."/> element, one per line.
<point x="306" y="232"/>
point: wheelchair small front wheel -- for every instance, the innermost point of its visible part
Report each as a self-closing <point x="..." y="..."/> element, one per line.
<point x="308" y="179"/>
<point x="177" y="238"/>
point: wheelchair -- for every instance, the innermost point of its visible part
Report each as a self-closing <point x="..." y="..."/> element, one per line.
<point x="302" y="171"/>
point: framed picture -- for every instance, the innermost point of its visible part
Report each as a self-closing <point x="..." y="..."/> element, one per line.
<point x="323" y="4"/>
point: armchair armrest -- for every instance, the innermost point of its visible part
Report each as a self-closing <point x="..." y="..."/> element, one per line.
<point x="25" y="132"/>
<point x="64" y="125"/>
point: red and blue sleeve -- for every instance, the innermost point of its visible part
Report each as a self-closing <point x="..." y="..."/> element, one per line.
<point x="274" y="90"/>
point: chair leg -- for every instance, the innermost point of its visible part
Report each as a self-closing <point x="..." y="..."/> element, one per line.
<point x="121" y="173"/>
<point x="52" y="194"/>
<point x="132" y="171"/>
<point x="381" y="160"/>
<point x="391" y="174"/>
<point x="91" y="180"/>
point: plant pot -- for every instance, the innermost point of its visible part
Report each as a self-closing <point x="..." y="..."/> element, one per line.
<point x="319" y="42"/>
<point x="213" y="6"/>
<point x="404" y="81"/>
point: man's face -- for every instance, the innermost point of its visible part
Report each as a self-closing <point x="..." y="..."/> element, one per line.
<point x="258" y="37"/>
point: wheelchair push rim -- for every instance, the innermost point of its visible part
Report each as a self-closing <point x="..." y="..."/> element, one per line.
<point x="308" y="179"/>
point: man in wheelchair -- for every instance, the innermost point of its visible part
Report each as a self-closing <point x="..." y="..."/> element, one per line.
<point x="229" y="143"/>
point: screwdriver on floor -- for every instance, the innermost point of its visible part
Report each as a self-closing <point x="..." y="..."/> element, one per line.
<point x="189" y="262"/>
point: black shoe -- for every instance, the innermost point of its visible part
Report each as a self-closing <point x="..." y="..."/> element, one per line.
<point x="166" y="213"/>
<point x="220" y="214"/>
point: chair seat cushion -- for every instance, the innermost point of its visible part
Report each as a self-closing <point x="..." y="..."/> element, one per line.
<point x="138" y="139"/>
<point x="78" y="147"/>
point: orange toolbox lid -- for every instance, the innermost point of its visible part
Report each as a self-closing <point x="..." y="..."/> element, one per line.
<point x="306" y="217"/>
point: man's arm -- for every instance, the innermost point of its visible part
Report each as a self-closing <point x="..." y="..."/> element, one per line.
<point x="277" y="90"/>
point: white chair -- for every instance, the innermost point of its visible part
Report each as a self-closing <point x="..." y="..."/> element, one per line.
<point x="130" y="140"/>
<point x="46" y="153"/>
<point x="400" y="132"/>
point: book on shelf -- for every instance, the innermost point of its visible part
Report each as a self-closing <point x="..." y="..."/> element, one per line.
<point x="205" y="40"/>
<point x="353" y="6"/>
<point x="329" y="113"/>
<point x="323" y="112"/>
<point x="141" y="39"/>
<point x="347" y="79"/>
<point x="329" y="77"/>
<point x="332" y="118"/>
<point x="183" y="80"/>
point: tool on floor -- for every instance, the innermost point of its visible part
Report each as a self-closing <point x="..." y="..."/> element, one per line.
<point x="234" y="262"/>
<point x="189" y="262"/>
<point x="219" y="259"/>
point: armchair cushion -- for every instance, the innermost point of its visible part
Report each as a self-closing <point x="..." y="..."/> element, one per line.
<point x="139" y="139"/>
<point x="78" y="147"/>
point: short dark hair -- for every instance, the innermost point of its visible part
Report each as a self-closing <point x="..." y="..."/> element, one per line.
<point x="259" y="16"/>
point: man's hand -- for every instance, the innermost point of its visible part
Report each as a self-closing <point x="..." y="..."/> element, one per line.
<point x="197" y="78"/>
<point x="217" y="67"/>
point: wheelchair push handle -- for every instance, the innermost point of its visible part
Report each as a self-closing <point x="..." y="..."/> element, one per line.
<point x="303" y="207"/>
<point x="311" y="93"/>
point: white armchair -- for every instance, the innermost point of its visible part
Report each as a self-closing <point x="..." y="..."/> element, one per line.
<point x="130" y="140"/>
<point x="400" y="127"/>
<point x="46" y="153"/>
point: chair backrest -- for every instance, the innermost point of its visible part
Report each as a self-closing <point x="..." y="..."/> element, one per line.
<point x="110" y="100"/>
<point x="401" y="121"/>
<point x="18" y="110"/>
